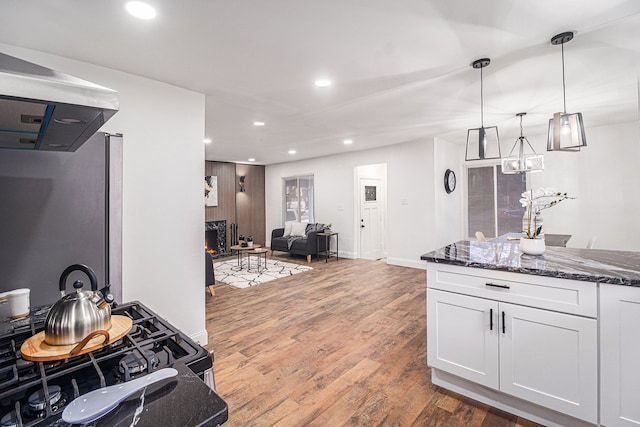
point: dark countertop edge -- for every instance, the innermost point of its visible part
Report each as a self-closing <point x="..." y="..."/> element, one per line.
<point x="595" y="277"/>
<point x="168" y="403"/>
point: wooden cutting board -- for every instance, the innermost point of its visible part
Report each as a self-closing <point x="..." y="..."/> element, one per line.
<point x="37" y="350"/>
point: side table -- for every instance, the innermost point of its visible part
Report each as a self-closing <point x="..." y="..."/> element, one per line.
<point x="239" y="249"/>
<point x="257" y="252"/>
<point x="327" y="239"/>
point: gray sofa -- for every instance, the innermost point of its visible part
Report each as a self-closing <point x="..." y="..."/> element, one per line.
<point x="308" y="245"/>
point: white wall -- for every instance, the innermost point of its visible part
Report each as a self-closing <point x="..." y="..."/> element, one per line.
<point x="410" y="197"/>
<point x="604" y="178"/>
<point x="449" y="208"/>
<point x="163" y="213"/>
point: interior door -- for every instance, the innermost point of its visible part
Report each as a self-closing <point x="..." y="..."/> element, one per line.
<point x="370" y="219"/>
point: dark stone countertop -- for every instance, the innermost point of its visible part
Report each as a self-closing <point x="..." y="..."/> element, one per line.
<point x="592" y="265"/>
<point x="184" y="400"/>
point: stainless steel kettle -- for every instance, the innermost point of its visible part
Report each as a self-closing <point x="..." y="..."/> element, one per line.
<point x="73" y="317"/>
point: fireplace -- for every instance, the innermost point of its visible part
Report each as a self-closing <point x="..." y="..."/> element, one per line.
<point x="215" y="238"/>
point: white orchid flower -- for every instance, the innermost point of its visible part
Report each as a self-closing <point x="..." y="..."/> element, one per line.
<point x="535" y="201"/>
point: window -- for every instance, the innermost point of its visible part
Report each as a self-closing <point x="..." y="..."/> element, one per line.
<point x="298" y="199"/>
<point x="493" y="205"/>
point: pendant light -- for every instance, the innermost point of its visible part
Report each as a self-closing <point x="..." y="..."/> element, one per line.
<point x="566" y="130"/>
<point x="521" y="162"/>
<point x="483" y="142"/>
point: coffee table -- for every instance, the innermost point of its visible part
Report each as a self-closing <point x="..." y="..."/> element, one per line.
<point x="240" y="249"/>
<point x="257" y="252"/>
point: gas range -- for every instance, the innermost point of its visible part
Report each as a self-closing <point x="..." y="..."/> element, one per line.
<point x="35" y="393"/>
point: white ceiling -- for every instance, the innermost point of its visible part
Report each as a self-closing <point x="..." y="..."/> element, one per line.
<point x="400" y="68"/>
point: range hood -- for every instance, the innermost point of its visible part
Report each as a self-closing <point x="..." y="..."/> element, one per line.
<point x="41" y="109"/>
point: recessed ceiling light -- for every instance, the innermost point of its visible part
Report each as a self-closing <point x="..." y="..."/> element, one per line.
<point x="251" y="159"/>
<point x="140" y="10"/>
<point x="322" y="83"/>
<point x="347" y="141"/>
<point x="259" y="123"/>
<point x="292" y="151"/>
<point x="207" y="140"/>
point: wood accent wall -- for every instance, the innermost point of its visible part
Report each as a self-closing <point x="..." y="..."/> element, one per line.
<point x="226" y="209"/>
<point x="250" y="205"/>
<point x="246" y="209"/>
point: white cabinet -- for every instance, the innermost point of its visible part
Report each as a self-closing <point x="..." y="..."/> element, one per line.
<point x="620" y="355"/>
<point x="487" y="327"/>
<point x="550" y="359"/>
<point x="461" y="339"/>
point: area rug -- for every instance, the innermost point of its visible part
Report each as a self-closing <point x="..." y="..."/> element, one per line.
<point x="229" y="273"/>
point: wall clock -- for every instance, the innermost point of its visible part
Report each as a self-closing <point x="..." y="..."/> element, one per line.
<point x="449" y="181"/>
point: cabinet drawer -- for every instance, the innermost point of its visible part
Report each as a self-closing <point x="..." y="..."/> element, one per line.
<point x="549" y="293"/>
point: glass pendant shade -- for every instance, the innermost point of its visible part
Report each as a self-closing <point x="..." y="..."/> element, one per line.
<point x="566" y="132"/>
<point x="521" y="161"/>
<point x="483" y="143"/>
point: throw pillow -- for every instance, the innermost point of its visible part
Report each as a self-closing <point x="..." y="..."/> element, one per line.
<point x="287" y="228"/>
<point x="298" y="229"/>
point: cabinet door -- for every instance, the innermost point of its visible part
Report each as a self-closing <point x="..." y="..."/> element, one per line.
<point x="462" y="338"/>
<point x="550" y="359"/>
<point x="620" y="355"/>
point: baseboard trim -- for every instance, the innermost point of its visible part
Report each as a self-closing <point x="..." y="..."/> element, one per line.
<point x="201" y="337"/>
<point x="403" y="262"/>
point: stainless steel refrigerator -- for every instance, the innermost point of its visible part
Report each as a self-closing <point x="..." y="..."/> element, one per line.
<point x="58" y="209"/>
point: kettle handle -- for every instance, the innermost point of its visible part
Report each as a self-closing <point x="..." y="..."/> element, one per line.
<point x="78" y="267"/>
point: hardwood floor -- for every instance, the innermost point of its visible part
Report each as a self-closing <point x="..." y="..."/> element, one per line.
<point x="341" y="345"/>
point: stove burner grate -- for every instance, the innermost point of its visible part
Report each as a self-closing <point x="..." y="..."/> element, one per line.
<point x="152" y="344"/>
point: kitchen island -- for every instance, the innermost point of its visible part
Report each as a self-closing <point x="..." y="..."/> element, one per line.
<point x="552" y="338"/>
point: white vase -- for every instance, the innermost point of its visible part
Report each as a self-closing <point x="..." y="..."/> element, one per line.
<point x="532" y="246"/>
